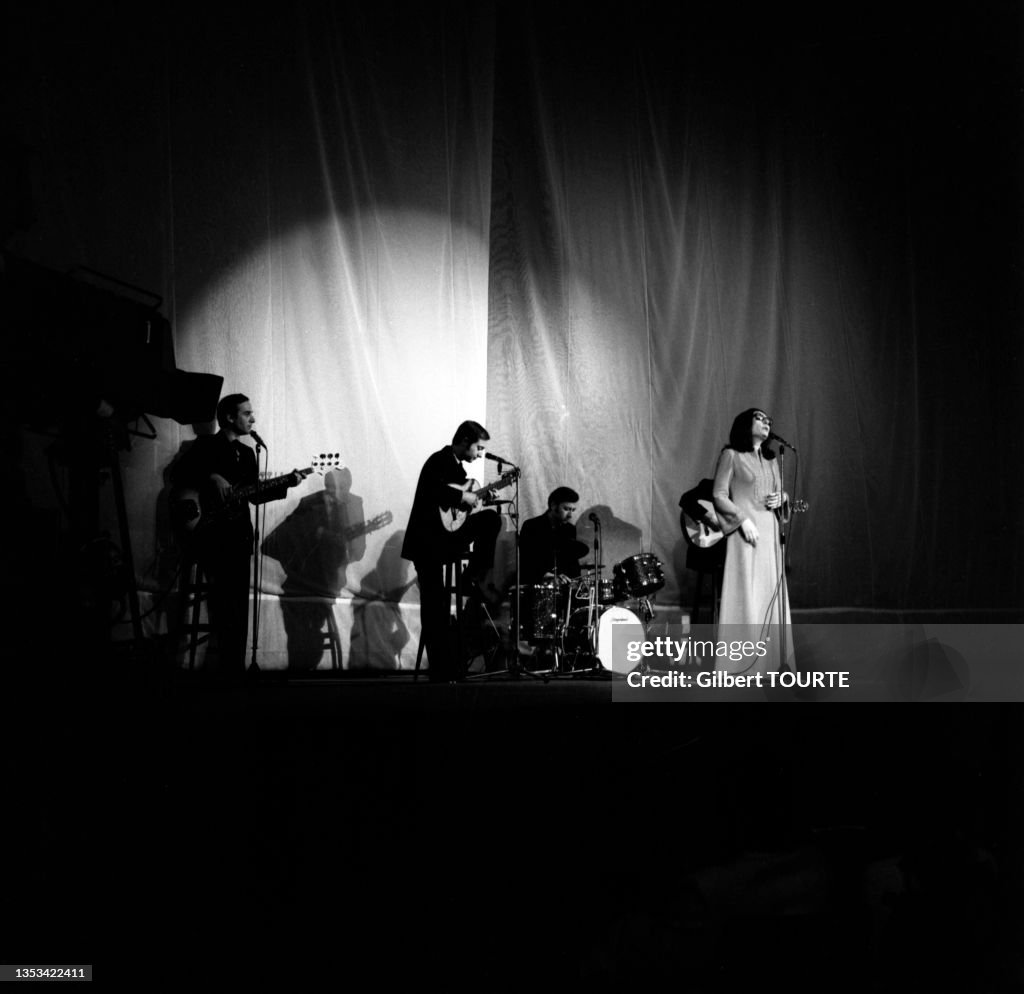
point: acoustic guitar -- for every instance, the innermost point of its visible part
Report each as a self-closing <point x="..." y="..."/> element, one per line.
<point x="454" y="518"/>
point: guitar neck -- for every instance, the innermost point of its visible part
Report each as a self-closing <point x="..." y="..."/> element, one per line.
<point x="275" y="481"/>
<point x="502" y="481"/>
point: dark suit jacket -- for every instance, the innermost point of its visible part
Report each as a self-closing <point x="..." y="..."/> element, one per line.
<point x="236" y="462"/>
<point x="546" y="549"/>
<point x="426" y="539"/>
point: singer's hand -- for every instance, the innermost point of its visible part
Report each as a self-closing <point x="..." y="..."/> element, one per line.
<point x="749" y="531"/>
<point x="773" y="501"/>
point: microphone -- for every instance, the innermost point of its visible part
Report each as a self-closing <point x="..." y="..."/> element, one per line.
<point x="259" y="441"/>
<point x="593" y="517"/>
<point x="780" y="440"/>
<point x="492" y="456"/>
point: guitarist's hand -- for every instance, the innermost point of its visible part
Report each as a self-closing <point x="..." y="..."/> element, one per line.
<point x="470" y="499"/>
<point x="221" y="486"/>
<point x="295" y="479"/>
<point x="749" y="531"/>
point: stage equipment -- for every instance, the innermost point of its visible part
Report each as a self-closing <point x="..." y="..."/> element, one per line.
<point x="87" y="355"/>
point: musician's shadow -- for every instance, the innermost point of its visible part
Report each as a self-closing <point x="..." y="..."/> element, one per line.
<point x="378" y="632"/>
<point x="315" y="545"/>
<point x="618" y="539"/>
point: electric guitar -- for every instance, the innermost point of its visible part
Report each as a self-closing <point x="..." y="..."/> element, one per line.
<point x="704" y="536"/>
<point x="194" y="511"/>
<point x="454" y="518"/>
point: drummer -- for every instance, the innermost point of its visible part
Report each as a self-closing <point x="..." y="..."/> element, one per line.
<point x="548" y="544"/>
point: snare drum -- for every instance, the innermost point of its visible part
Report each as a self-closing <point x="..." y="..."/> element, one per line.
<point x="641" y="575"/>
<point x="542" y="606"/>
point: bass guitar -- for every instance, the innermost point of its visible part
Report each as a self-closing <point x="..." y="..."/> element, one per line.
<point x="454" y="518"/>
<point x="195" y="511"/>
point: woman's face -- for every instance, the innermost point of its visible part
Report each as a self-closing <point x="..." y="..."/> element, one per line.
<point x="760" y="426"/>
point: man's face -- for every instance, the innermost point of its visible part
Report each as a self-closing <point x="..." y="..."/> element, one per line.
<point x="243" y="421"/>
<point x="562" y="513"/>
<point x="471" y="450"/>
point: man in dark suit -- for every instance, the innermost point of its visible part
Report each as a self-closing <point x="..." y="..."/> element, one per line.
<point x="429" y="543"/>
<point x="547" y="543"/>
<point x="222" y="540"/>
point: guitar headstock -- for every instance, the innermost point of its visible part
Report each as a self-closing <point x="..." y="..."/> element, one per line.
<point x="381" y="520"/>
<point x="324" y="461"/>
<point x="797" y="506"/>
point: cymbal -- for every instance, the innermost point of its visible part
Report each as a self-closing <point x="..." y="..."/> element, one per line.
<point x="591" y="567"/>
<point x="579" y="549"/>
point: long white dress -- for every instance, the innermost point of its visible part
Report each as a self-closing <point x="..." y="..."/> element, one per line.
<point x="755" y="604"/>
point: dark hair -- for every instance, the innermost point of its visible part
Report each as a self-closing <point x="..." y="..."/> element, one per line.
<point x="229" y="405"/>
<point x="741" y="434"/>
<point x="470" y="432"/>
<point x="562" y="495"/>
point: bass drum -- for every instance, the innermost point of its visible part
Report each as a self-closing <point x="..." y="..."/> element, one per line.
<point x="580" y="640"/>
<point x="606" y="626"/>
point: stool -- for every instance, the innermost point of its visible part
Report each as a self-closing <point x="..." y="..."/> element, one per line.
<point x="194" y="589"/>
<point x="452" y="585"/>
<point x="332" y="640"/>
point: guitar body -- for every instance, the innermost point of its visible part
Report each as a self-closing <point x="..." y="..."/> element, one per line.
<point x="452" y="519"/>
<point x="699" y="534"/>
<point x="704" y="537"/>
<point x="455" y="517"/>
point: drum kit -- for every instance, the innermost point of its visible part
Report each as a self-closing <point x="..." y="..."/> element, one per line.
<point x="571" y="621"/>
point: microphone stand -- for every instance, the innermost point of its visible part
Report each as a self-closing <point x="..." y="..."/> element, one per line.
<point x="513" y="667"/>
<point x="784" y="600"/>
<point x="253" y="665"/>
<point x="595" y="591"/>
<point x="594" y="606"/>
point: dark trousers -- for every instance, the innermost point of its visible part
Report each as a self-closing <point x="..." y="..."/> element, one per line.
<point x="435" y="602"/>
<point x="228" y="576"/>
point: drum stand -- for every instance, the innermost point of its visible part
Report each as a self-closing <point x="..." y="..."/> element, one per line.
<point x="593" y="613"/>
<point x="559" y="654"/>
